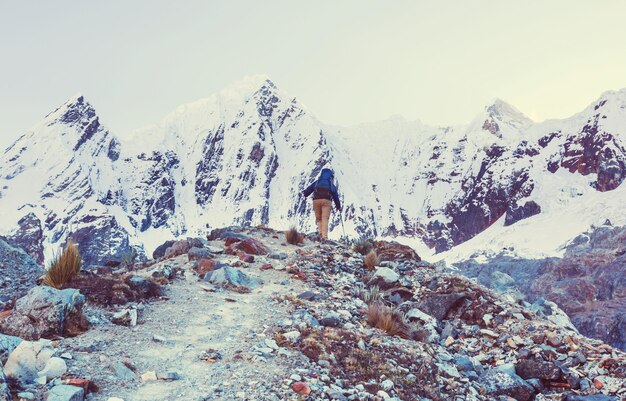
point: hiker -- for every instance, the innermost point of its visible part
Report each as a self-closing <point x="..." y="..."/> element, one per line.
<point x="323" y="190"/>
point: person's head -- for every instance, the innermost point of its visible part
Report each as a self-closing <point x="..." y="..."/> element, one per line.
<point x="326" y="172"/>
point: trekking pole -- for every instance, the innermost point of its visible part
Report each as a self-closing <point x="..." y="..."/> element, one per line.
<point x="342" y="226"/>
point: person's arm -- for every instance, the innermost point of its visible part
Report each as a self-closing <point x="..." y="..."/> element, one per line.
<point x="309" y="190"/>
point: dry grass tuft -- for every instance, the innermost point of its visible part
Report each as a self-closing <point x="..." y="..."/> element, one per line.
<point x="371" y="295"/>
<point x="371" y="260"/>
<point x="294" y="237"/>
<point x="389" y="320"/>
<point x="64" y="267"/>
<point x="363" y="246"/>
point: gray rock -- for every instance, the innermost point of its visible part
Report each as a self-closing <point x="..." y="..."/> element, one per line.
<point x="231" y="277"/>
<point x="7" y="345"/>
<point x="497" y="383"/>
<point x="438" y="305"/>
<point x="278" y="256"/>
<point x="303" y="316"/>
<point x="537" y="369"/>
<point x="123" y="372"/>
<point x="47" y="312"/>
<point x="384" y="277"/>
<point x="169" y="376"/>
<point x="199" y="253"/>
<point x="215" y="249"/>
<point x="66" y="393"/>
<point x="464" y="363"/>
<point x="330" y="321"/>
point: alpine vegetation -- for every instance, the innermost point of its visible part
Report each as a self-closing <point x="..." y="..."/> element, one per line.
<point x="293" y="237"/>
<point x="64" y="267"/>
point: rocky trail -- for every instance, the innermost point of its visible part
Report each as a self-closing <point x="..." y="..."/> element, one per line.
<point x="246" y="316"/>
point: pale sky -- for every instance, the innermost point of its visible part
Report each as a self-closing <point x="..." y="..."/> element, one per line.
<point x="348" y="61"/>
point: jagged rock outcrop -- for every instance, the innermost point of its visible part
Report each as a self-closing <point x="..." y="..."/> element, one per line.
<point x="18" y="272"/>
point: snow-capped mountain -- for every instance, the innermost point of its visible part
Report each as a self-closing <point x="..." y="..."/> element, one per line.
<point x="244" y="155"/>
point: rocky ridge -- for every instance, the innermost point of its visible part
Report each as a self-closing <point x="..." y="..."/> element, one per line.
<point x="243" y="315"/>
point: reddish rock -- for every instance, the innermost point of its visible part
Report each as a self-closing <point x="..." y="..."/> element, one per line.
<point x="231" y="240"/>
<point x="301" y="388"/>
<point x="266" y="266"/>
<point x="246" y="257"/>
<point x="253" y="247"/>
<point x="250" y="246"/>
<point x="203" y="266"/>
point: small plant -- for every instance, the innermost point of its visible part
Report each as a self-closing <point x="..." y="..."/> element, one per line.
<point x="363" y="246"/>
<point x="64" y="267"/>
<point x="293" y="236"/>
<point x="371" y="260"/>
<point x="371" y="295"/>
<point x="389" y="320"/>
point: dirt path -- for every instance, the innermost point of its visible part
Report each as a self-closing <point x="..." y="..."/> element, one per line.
<point x="172" y="334"/>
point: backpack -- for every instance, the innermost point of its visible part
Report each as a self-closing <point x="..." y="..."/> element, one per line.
<point x="322" y="189"/>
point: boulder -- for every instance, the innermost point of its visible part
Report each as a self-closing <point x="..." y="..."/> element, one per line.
<point x="64" y="392"/>
<point x="18" y="272"/>
<point x="231" y="277"/>
<point x="250" y="246"/>
<point x="46" y="312"/>
<point x="198" y="253"/>
<point x="27" y="360"/>
<point x="7" y="345"/>
<point x="177" y="248"/>
<point x="537" y="369"/>
<point x="497" y="383"/>
<point x="384" y="277"/>
<point x="159" y="252"/>
<point x="438" y="305"/>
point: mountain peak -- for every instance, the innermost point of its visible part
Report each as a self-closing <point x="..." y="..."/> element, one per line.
<point x="74" y="109"/>
<point x="250" y="84"/>
<point x="501" y="110"/>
